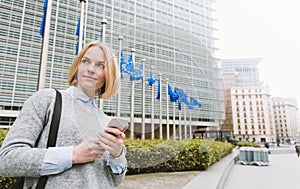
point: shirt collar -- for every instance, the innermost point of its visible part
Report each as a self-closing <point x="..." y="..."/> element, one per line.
<point x="74" y="91"/>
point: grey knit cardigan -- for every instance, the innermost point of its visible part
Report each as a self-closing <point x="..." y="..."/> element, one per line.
<point x="18" y="157"/>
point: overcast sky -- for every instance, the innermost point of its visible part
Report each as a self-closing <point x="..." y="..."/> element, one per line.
<point x="269" y="29"/>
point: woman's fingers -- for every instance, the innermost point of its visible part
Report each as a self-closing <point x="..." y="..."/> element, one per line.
<point x="112" y="142"/>
<point x="87" y="151"/>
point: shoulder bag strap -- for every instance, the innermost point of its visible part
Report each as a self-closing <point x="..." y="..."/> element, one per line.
<point x="52" y="133"/>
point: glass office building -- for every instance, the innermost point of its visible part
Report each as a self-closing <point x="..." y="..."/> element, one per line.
<point x="246" y="70"/>
<point x="174" y="37"/>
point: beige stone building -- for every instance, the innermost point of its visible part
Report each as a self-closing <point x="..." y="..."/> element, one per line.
<point x="286" y="119"/>
<point x="248" y="101"/>
<point x="252" y="114"/>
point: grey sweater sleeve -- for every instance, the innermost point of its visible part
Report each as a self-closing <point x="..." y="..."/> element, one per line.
<point x="18" y="155"/>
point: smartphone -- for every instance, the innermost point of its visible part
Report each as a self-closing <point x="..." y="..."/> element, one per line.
<point x="118" y="123"/>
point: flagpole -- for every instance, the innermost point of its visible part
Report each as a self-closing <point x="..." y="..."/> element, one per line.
<point x="160" y="108"/>
<point x="54" y="43"/>
<point x="119" y="93"/>
<point x="174" y="124"/>
<point x="191" y="134"/>
<point x="143" y="101"/>
<point x="168" y="126"/>
<point x="152" y="108"/>
<point x="132" y="100"/>
<point x="103" y="22"/>
<point x="185" y="129"/>
<point x="179" y="125"/>
<point x="44" y="57"/>
<point x="81" y="25"/>
<point x="85" y="21"/>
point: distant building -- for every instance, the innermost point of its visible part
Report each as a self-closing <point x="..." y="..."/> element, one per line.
<point x="252" y="114"/>
<point x="286" y="119"/>
<point x="228" y="79"/>
<point x="246" y="70"/>
<point x="248" y="102"/>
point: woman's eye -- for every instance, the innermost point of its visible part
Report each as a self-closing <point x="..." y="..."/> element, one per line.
<point x="85" y="61"/>
<point x="101" y="66"/>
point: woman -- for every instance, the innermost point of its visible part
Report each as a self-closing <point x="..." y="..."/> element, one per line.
<point x="87" y="154"/>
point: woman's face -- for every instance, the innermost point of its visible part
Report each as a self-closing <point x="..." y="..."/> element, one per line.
<point x="90" y="71"/>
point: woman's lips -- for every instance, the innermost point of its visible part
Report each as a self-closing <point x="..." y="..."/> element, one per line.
<point x="89" y="77"/>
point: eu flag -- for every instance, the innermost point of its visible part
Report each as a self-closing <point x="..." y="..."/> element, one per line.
<point x="158" y="91"/>
<point x="129" y="67"/>
<point x="151" y="79"/>
<point x="181" y="97"/>
<point x="138" y="74"/>
<point x="122" y="62"/>
<point x="194" y="102"/>
<point x="101" y="34"/>
<point x="42" y="28"/>
<point x="173" y="95"/>
<point x="78" y="27"/>
<point x="77" y="34"/>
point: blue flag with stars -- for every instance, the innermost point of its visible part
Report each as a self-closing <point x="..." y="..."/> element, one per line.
<point x="152" y="78"/>
<point x="158" y="91"/>
<point x="42" y="28"/>
<point x="173" y="96"/>
<point x="122" y="62"/>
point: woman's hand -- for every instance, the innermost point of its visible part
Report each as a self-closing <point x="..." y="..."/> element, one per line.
<point x="87" y="151"/>
<point x="112" y="140"/>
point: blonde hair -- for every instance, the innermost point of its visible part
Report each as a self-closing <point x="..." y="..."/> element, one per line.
<point x="111" y="70"/>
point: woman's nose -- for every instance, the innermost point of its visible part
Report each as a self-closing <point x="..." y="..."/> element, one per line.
<point x="92" y="67"/>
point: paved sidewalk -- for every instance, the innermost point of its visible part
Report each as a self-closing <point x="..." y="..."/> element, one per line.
<point x="172" y="180"/>
<point x="208" y="179"/>
<point x="283" y="173"/>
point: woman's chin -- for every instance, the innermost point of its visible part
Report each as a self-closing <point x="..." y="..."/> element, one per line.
<point x="89" y="85"/>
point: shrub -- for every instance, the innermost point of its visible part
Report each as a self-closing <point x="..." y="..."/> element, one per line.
<point x="3" y="133"/>
<point x="4" y="181"/>
<point x="148" y="156"/>
<point x="248" y="144"/>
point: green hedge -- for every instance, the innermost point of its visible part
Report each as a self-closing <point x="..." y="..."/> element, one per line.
<point x="4" y="181"/>
<point x="148" y="156"/>
<point x="248" y="144"/>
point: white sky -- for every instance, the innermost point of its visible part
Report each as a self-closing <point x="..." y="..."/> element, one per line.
<point x="269" y="29"/>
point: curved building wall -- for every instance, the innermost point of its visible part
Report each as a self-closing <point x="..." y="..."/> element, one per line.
<point x="174" y="37"/>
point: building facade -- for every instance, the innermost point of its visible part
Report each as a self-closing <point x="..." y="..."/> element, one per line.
<point x="249" y="113"/>
<point x="246" y="70"/>
<point x="252" y="114"/>
<point x="174" y="37"/>
<point x="286" y="119"/>
<point x="229" y="81"/>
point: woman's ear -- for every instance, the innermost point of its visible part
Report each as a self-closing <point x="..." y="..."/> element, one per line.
<point x="75" y="80"/>
<point x="102" y="90"/>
